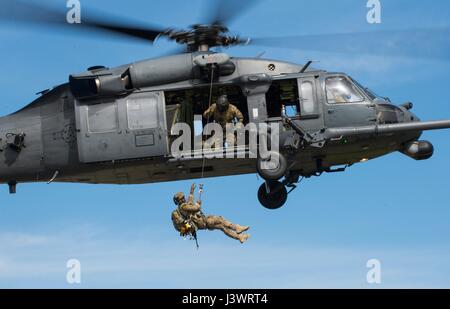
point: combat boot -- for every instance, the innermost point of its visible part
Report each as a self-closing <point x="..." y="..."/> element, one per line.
<point x="243" y="238"/>
<point x="240" y="229"/>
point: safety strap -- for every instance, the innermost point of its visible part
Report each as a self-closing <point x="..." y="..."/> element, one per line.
<point x="188" y="220"/>
<point x="192" y="232"/>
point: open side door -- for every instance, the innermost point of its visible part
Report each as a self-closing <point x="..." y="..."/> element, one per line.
<point x="131" y="127"/>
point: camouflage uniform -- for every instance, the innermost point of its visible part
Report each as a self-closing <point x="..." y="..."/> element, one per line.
<point x="225" y="118"/>
<point x="190" y="212"/>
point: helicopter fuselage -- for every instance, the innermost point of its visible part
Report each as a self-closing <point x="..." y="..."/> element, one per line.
<point x="113" y="126"/>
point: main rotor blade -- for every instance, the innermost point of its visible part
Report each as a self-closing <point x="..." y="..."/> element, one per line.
<point x="33" y="13"/>
<point x="432" y="43"/>
<point x="223" y="12"/>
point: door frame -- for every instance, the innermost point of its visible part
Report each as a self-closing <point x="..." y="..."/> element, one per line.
<point x="315" y="120"/>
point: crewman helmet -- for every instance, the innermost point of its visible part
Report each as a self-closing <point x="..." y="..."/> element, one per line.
<point x="178" y="198"/>
<point x="223" y="103"/>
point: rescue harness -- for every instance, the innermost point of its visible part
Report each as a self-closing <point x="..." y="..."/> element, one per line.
<point x="188" y="228"/>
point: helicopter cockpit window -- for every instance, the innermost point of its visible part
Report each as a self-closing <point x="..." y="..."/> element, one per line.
<point x="366" y="90"/>
<point x="342" y="90"/>
<point x="370" y="93"/>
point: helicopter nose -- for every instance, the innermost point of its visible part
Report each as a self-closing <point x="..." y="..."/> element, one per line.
<point x="409" y="116"/>
<point x="417" y="149"/>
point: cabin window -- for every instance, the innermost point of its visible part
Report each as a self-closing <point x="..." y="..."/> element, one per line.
<point x="142" y="113"/>
<point x="198" y="125"/>
<point x="283" y="94"/>
<point x="307" y="101"/>
<point x="102" y="117"/>
<point x="340" y="90"/>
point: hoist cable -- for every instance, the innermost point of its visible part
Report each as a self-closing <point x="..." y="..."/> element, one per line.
<point x="209" y="116"/>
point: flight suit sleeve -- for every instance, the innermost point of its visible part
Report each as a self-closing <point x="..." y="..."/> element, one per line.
<point x="238" y="114"/>
<point x="190" y="199"/>
<point x="191" y="207"/>
<point x="209" y="112"/>
<point x="177" y="220"/>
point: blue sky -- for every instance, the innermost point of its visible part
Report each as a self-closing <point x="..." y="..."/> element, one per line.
<point x="393" y="209"/>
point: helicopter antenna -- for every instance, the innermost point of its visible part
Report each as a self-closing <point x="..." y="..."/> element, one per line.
<point x="307" y="65"/>
<point x="260" y="55"/>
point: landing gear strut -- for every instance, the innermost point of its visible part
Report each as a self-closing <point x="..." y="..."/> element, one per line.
<point x="272" y="194"/>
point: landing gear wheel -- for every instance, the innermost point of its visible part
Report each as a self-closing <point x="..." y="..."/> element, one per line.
<point x="276" y="197"/>
<point x="272" y="168"/>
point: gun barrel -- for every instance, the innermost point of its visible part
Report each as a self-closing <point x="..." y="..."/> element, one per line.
<point x="389" y="128"/>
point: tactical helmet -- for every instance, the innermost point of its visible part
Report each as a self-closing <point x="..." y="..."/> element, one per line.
<point x="178" y="197"/>
<point x="223" y="103"/>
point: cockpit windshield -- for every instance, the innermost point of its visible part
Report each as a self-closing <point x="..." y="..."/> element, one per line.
<point x="372" y="95"/>
<point x="340" y="89"/>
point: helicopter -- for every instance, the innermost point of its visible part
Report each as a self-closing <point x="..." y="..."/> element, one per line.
<point x="115" y="125"/>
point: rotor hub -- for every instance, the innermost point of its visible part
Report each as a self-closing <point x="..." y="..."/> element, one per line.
<point x="202" y="37"/>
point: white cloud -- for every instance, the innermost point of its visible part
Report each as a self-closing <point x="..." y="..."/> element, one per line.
<point x="158" y="260"/>
<point x="8" y="240"/>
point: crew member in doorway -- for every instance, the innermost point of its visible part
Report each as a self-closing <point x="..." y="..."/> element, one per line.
<point x="227" y="115"/>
